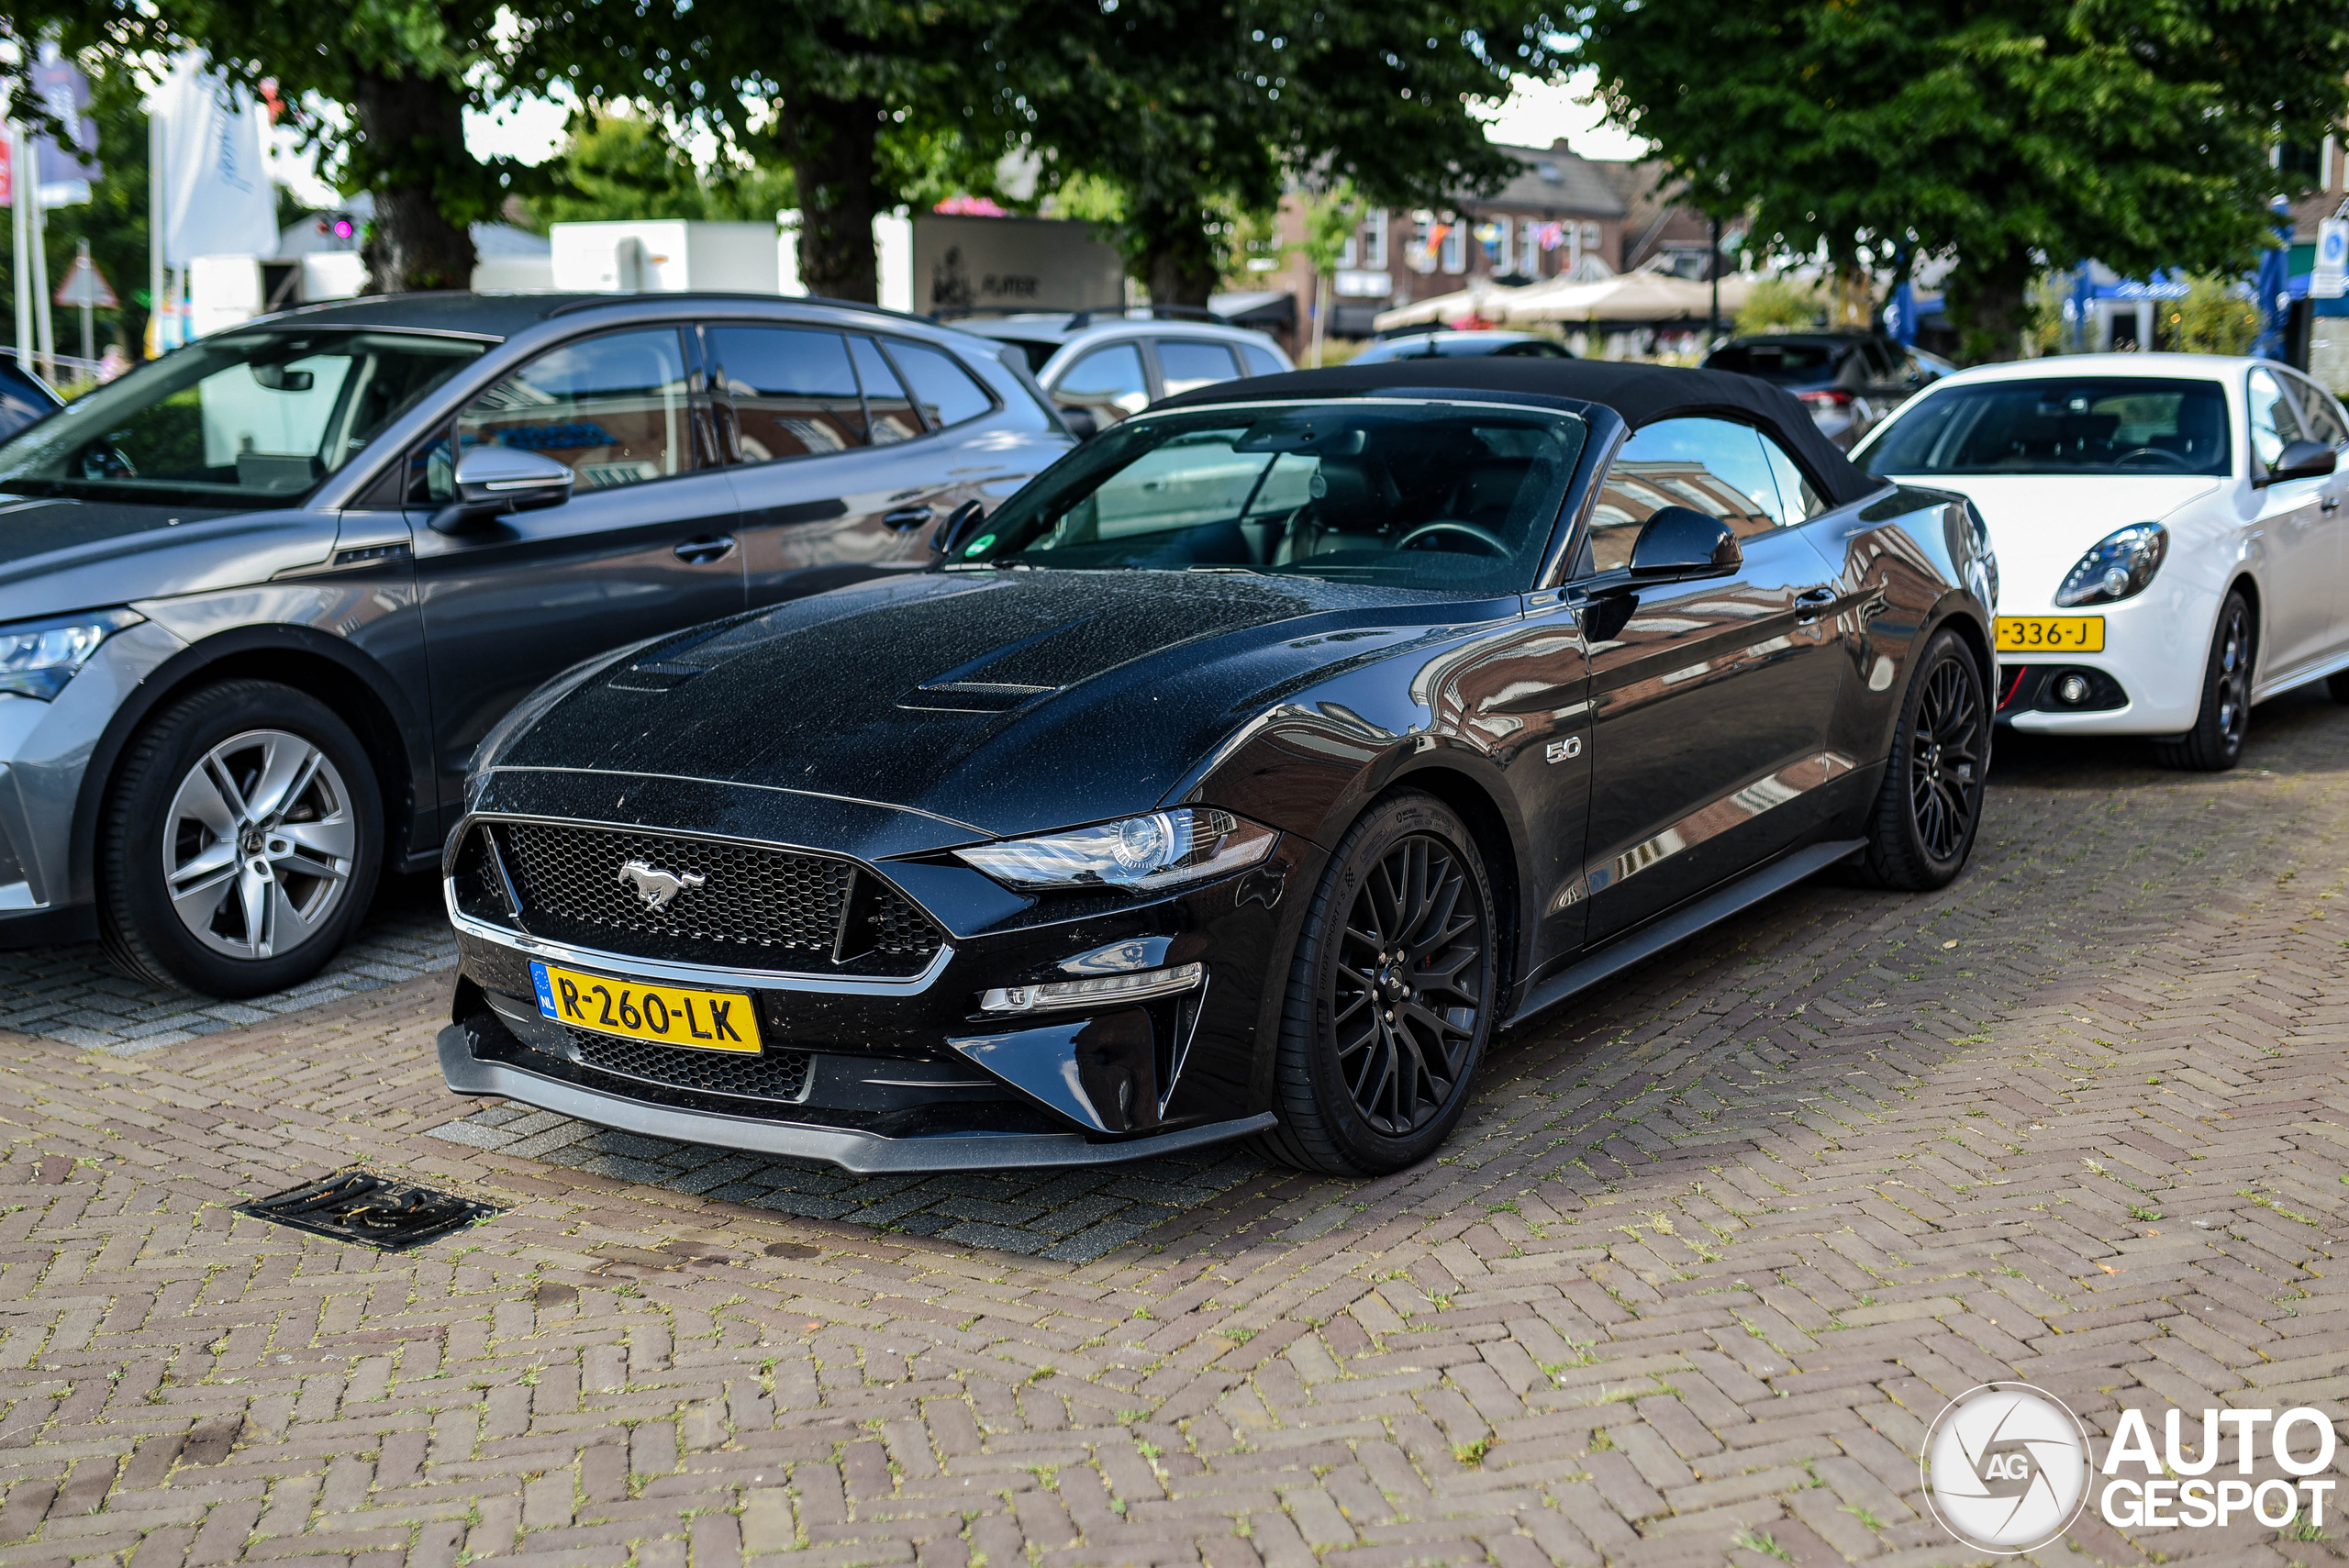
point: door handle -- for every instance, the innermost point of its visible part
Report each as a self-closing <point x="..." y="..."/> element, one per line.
<point x="702" y="552"/>
<point x="906" y="518"/>
<point x="2330" y="504"/>
<point x="1812" y="603"/>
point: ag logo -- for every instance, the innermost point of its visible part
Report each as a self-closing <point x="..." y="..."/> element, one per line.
<point x="2006" y="1468"/>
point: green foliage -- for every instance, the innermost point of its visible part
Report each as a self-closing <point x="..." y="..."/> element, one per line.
<point x="2215" y="317"/>
<point x="1780" y="305"/>
<point x="620" y="165"/>
<point x="1330" y="218"/>
<point x="1196" y="110"/>
<point x="114" y="220"/>
<point x="2018" y="134"/>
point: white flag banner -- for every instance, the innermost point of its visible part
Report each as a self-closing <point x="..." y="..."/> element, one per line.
<point x="2329" y="279"/>
<point x="217" y="199"/>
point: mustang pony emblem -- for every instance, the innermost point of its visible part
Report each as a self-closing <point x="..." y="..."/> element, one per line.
<point x="658" y="887"/>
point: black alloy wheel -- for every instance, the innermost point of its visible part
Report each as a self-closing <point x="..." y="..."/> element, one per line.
<point x="1391" y="995"/>
<point x="1945" y="758"/>
<point x="1921" y="828"/>
<point x="239" y="843"/>
<point x="2223" y="723"/>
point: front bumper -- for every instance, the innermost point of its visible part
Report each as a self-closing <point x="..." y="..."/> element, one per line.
<point x="860" y="1153"/>
<point x="911" y="1072"/>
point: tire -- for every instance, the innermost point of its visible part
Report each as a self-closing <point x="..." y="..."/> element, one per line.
<point x="2215" y="744"/>
<point x="1362" y="1087"/>
<point x="1921" y="828"/>
<point x="2338" y="685"/>
<point x="291" y="844"/>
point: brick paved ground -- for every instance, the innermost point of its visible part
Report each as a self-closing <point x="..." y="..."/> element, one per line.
<point x="1714" y="1246"/>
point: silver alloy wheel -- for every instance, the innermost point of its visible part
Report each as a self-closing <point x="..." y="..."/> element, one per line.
<point x="258" y="845"/>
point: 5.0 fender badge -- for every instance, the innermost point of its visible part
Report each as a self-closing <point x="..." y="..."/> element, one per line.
<point x="1559" y="751"/>
<point x="659" y="888"/>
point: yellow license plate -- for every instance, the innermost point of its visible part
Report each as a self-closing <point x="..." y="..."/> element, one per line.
<point x="2051" y="634"/>
<point x="662" y="1015"/>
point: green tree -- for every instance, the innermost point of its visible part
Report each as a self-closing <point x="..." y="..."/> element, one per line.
<point x="616" y="163"/>
<point x="1195" y="109"/>
<point x="867" y="101"/>
<point x="114" y="220"/>
<point x="2217" y="316"/>
<point x="1780" y="305"/>
<point x="1330" y="218"/>
<point x="399" y="72"/>
<point x="2017" y="134"/>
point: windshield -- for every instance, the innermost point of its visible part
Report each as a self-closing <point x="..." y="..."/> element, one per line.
<point x="253" y="418"/>
<point x="1436" y="497"/>
<point x="1779" y="362"/>
<point x="2090" y="424"/>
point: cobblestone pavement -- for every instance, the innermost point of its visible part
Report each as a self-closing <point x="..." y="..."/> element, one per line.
<point x="1713" y="1247"/>
<point x="73" y="995"/>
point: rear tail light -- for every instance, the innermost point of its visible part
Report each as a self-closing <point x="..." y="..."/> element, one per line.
<point x="1833" y="397"/>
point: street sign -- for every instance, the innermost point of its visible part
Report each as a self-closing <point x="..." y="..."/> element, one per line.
<point x="2329" y="279"/>
<point x="86" y="285"/>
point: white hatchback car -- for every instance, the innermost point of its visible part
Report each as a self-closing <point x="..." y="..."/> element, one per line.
<point x="2170" y="533"/>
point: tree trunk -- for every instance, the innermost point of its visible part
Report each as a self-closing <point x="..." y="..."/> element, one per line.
<point x="1178" y="261"/>
<point x="830" y="143"/>
<point x="1987" y="299"/>
<point x="413" y="161"/>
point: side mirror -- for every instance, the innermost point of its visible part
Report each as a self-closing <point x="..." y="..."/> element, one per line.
<point x="494" y="480"/>
<point x="1680" y="544"/>
<point x="2300" y="460"/>
<point x="1082" y="422"/>
<point x="962" y="525"/>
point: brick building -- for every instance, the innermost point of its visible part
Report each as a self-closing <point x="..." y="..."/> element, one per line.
<point x="1559" y="209"/>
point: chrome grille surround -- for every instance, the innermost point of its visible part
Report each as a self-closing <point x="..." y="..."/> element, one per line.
<point x="757" y="907"/>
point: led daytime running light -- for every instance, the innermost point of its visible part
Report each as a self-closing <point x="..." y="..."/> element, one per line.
<point x="1140" y="854"/>
<point x="1083" y="993"/>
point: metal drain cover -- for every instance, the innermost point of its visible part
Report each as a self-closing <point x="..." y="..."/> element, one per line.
<point x="354" y="1206"/>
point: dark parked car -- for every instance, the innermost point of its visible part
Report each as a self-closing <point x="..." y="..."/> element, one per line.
<point x="1239" y="776"/>
<point x="1443" y="344"/>
<point x="24" y="397"/>
<point x="1848" y="380"/>
<point x="259" y="600"/>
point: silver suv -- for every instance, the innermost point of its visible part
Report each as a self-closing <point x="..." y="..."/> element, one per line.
<point x="260" y="599"/>
<point x="1099" y="366"/>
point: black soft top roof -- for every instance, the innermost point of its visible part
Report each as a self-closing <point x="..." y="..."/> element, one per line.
<point x="1640" y="393"/>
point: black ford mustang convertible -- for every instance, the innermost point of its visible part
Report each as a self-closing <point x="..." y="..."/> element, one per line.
<point x="1237" y="777"/>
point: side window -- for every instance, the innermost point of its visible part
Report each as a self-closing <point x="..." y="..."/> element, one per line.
<point x="1716" y="467"/>
<point x="1108" y="382"/>
<point x="1798" y="502"/>
<point x="613" y="408"/>
<point x="1260" y="362"/>
<point x="2320" y="414"/>
<point x="792" y="393"/>
<point x="944" y="389"/>
<point x="1185" y="365"/>
<point x="891" y="411"/>
<point x="2274" y="423"/>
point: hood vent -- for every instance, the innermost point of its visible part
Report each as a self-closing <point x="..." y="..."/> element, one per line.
<point x="972" y="696"/>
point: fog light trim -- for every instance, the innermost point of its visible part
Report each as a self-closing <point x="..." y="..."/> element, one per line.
<point x="1106" y="988"/>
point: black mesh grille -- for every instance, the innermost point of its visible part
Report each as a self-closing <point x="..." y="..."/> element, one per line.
<point x="775" y="1076"/>
<point x="776" y="908"/>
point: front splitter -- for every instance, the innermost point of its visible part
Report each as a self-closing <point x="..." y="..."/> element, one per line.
<point x="859" y="1153"/>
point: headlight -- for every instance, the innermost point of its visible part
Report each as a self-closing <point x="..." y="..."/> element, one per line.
<point x="1164" y="848"/>
<point x="37" y="658"/>
<point x="2117" y="568"/>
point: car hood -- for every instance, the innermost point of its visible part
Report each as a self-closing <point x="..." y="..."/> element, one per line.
<point x="1005" y="702"/>
<point x="59" y="555"/>
<point x="2042" y="524"/>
